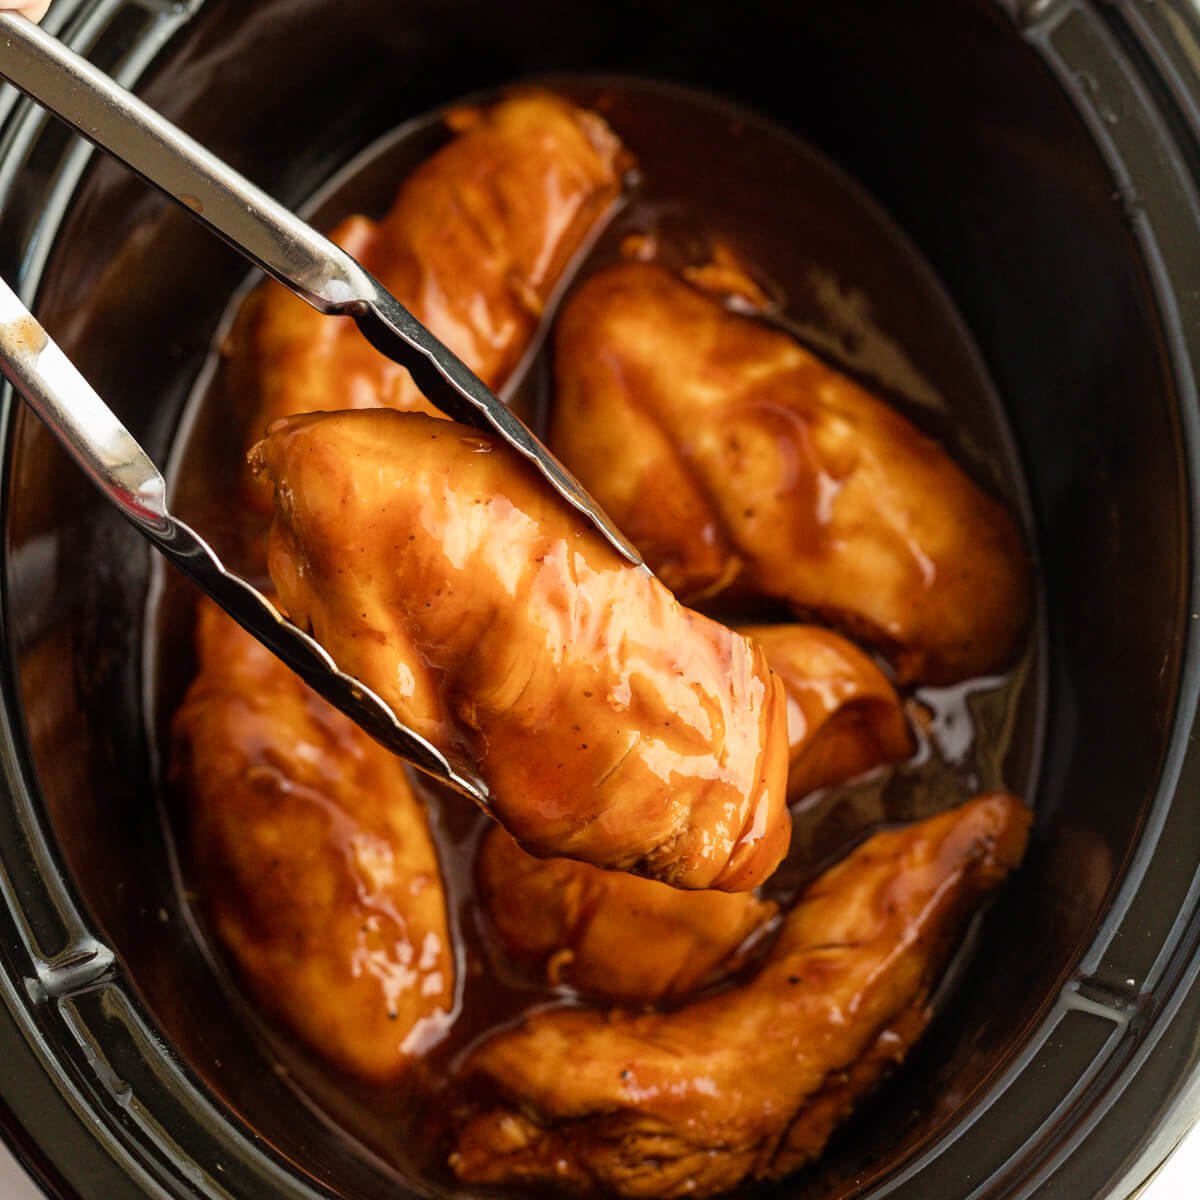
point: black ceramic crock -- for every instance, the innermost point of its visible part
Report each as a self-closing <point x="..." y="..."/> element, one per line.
<point x="1045" y="157"/>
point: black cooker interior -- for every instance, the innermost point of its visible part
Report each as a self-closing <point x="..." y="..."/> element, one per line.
<point x="954" y="125"/>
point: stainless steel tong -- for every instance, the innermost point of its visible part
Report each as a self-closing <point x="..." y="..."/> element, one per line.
<point x="317" y="271"/>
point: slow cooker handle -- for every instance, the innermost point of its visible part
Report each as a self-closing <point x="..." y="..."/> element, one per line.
<point x="273" y="238"/>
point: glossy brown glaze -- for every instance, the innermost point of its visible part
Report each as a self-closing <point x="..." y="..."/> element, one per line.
<point x="570" y="926"/>
<point x="746" y="463"/>
<point x="313" y="858"/>
<point x="844" y="717"/>
<point x="611" y="724"/>
<point x="610" y="934"/>
<point x="747" y="1083"/>
<point x="478" y="237"/>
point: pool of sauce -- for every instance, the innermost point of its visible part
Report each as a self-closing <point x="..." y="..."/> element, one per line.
<point x="844" y="280"/>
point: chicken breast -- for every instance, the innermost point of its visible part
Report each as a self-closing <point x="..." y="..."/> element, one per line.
<point x="617" y="937"/>
<point x="313" y="858"/>
<point x="844" y="717"/>
<point x="477" y="239"/>
<point x="610" y="934"/>
<point x="610" y="723"/>
<point x="746" y="463"/>
<point x="747" y="1083"/>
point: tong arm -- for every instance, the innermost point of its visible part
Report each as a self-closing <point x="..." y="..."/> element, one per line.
<point x="126" y="475"/>
<point x="273" y="238"/>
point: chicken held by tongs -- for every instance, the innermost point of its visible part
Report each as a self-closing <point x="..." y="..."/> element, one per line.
<point x="610" y="723"/>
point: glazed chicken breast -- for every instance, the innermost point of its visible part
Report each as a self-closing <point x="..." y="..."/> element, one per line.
<point x="615" y="936"/>
<point x="844" y="717"/>
<point x="313" y="858"/>
<point x="607" y="933"/>
<point x="747" y="464"/>
<point x="610" y="723"/>
<point x="750" y="1082"/>
<point x="476" y="241"/>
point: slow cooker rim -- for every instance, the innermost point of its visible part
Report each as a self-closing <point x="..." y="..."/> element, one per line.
<point x="84" y="21"/>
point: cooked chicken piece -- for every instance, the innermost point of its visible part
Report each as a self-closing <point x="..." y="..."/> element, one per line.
<point x="313" y="858"/>
<point x="622" y="938"/>
<point x="610" y="723"/>
<point x="746" y="463"/>
<point x="607" y="933"/>
<point x="747" y="1083"/>
<point x="843" y="716"/>
<point x="477" y="239"/>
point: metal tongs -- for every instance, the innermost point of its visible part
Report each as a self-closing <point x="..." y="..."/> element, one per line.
<point x="317" y="271"/>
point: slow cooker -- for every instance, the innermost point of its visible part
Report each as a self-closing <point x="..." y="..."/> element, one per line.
<point x="1044" y="155"/>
